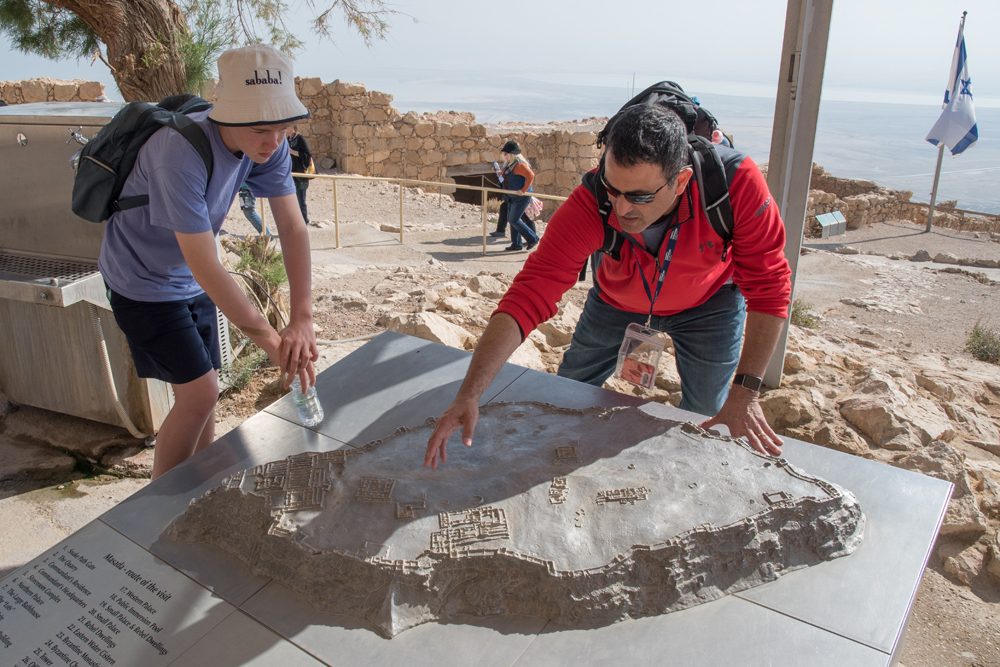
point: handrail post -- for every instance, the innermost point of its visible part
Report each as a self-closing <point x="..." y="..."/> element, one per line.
<point x="484" y="223"/>
<point x="336" y="215"/>
<point x="401" y="213"/>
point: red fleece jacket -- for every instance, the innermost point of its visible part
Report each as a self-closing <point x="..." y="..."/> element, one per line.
<point x="755" y="262"/>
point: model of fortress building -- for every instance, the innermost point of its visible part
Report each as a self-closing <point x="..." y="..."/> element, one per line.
<point x="582" y="517"/>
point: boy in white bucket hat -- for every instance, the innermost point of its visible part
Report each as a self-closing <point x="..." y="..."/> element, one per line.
<point x="160" y="261"/>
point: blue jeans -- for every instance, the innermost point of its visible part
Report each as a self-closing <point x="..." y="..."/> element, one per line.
<point x="515" y="209"/>
<point x="301" y="185"/>
<point x="707" y="342"/>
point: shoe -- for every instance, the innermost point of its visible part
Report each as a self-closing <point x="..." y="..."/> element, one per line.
<point x="498" y="235"/>
<point x="530" y="245"/>
<point x="512" y="248"/>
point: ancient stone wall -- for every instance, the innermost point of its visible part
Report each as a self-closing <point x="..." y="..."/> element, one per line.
<point x="50" y="90"/>
<point x="362" y="133"/>
<point x="865" y="202"/>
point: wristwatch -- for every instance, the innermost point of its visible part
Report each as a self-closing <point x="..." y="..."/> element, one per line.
<point x="751" y="382"/>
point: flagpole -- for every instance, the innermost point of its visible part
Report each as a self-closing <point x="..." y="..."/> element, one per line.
<point x="937" y="177"/>
<point x="940" y="157"/>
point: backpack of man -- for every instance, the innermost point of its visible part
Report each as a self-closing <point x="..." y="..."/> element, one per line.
<point x="710" y="174"/>
<point x="108" y="159"/>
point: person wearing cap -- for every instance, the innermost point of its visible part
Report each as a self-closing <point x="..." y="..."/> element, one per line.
<point x="161" y="263"/>
<point x="518" y="177"/>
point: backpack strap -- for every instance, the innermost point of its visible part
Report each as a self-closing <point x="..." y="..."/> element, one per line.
<point x="613" y="239"/>
<point x="188" y="129"/>
<point x="713" y="188"/>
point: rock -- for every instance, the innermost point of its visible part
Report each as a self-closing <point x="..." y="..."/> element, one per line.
<point x="455" y="304"/>
<point x="839" y="437"/>
<point x="975" y="423"/>
<point x="432" y="327"/>
<point x="785" y="408"/>
<point x="847" y="250"/>
<point x="528" y="355"/>
<point x="945" y="258"/>
<point x="34" y="91"/>
<point x="796" y="362"/>
<point x="993" y="566"/>
<point x="558" y="330"/>
<point x="893" y="418"/>
<point x="965" y="565"/>
<point x="90" y="91"/>
<point x="934" y="383"/>
<point x="488" y="286"/>
<point x="921" y="256"/>
<point x="386" y="227"/>
<point x="943" y="462"/>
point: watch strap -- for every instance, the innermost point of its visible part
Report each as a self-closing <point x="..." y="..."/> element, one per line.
<point x="751" y="382"/>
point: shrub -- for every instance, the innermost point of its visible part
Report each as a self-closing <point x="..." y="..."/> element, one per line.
<point x="803" y="316"/>
<point x="237" y="374"/>
<point x="984" y="343"/>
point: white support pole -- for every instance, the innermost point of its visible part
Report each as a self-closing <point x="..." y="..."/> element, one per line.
<point x="796" y="108"/>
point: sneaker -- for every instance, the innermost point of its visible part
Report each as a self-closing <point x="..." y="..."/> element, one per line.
<point x="512" y="248"/>
<point x="498" y="235"/>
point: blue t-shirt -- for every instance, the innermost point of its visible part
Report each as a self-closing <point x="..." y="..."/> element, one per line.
<point x="140" y="257"/>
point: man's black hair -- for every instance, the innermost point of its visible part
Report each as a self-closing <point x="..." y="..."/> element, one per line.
<point x="644" y="134"/>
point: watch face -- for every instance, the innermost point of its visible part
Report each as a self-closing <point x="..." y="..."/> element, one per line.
<point x="749" y="382"/>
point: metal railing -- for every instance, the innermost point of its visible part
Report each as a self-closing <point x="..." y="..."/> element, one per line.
<point x="408" y="182"/>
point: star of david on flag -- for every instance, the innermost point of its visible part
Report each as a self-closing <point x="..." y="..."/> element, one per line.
<point x="956" y="126"/>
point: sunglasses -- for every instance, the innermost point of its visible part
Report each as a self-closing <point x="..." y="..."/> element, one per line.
<point x="639" y="198"/>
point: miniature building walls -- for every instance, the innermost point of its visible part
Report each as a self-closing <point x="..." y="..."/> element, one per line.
<point x="50" y="90"/>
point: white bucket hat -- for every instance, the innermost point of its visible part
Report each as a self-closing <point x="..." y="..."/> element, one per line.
<point x="256" y="87"/>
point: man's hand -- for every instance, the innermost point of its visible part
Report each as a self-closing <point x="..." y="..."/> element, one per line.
<point x="464" y="412"/>
<point x="297" y="353"/>
<point x="743" y="415"/>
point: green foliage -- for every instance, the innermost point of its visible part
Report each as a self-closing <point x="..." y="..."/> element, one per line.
<point x="210" y="31"/>
<point x="260" y="257"/>
<point x="984" y="343"/>
<point x="43" y="28"/>
<point x="38" y="27"/>
<point x="803" y="316"/>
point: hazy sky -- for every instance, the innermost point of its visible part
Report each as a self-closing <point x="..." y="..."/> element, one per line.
<point x="879" y="49"/>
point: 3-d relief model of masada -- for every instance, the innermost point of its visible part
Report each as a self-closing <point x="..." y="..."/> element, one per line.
<point x="582" y="517"/>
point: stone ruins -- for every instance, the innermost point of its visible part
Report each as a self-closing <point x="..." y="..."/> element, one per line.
<point x="583" y="517"/>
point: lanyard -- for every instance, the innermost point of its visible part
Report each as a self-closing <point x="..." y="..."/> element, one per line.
<point x="661" y="266"/>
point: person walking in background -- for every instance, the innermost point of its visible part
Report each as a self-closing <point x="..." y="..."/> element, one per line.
<point x="517" y="177"/>
<point x="248" y="204"/>
<point x="501" y="230"/>
<point x="301" y="164"/>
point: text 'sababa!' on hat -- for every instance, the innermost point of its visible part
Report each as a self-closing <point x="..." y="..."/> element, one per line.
<point x="256" y="87"/>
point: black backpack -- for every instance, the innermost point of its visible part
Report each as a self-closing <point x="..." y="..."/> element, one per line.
<point x="711" y="174"/>
<point x="107" y="159"/>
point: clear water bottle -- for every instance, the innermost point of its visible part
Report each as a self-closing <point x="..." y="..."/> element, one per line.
<point x="310" y="410"/>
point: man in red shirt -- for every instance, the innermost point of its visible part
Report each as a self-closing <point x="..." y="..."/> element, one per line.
<point x="674" y="275"/>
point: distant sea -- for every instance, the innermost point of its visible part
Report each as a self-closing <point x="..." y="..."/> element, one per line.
<point x="878" y="141"/>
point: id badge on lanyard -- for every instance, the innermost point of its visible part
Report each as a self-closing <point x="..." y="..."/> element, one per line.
<point x="642" y="346"/>
<point x="639" y="355"/>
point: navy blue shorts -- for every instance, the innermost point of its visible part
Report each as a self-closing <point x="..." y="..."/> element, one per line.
<point x="173" y="341"/>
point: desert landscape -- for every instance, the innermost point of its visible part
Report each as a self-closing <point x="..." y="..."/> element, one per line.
<point x="876" y="366"/>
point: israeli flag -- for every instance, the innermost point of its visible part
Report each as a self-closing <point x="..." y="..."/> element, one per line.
<point x="956" y="127"/>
